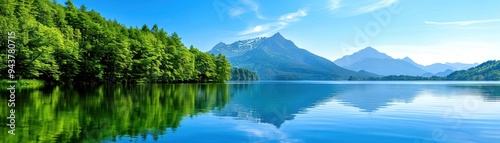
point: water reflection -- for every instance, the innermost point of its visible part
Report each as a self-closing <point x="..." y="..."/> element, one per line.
<point x="94" y="113"/>
<point x="153" y="112"/>
<point x="490" y="93"/>
<point x="275" y="103"/>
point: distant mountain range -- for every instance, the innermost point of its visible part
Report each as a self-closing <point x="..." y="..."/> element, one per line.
<point x="276" y="58"/>
<point x="365" y="53"/>
<point x="462" y="66"/>
<point x="371" y="60"/>
<point x="433" y="68"/>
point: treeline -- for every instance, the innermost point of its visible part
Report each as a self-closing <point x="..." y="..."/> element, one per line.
<point x="243" y="74"/>
<point x="489" y="71"/>
<point x="66" y="44"/>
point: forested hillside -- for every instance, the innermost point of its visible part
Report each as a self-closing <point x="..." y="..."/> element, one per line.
<point x="489" y="70"/>
<point x="57" y="43"/>
<point x="243" y="74"/>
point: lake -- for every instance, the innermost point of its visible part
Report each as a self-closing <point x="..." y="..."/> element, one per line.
<point x="263" y="111"/>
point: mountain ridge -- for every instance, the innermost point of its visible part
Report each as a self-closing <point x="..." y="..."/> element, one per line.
<point x="277" y="58"/>
<point x="371" y="60"/>
<point x="383" y="64"/>
<point x="367" y="52"/>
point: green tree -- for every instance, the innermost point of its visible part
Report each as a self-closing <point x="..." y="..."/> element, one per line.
<point x="65" y="44"/>
<point x="223" y="70"/>
<point x="243" y="74"/>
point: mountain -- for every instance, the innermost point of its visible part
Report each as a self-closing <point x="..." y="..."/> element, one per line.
<point x="371" y="60"/>
<point x="427" y="74"/>
<point x="386" y="67"/>
<point x="462" y="66"/>
<point x="433" y="68"/>
<point x="365" y="53"/>
<point x="237" y="48"/>
<point x="444" y="73"/>
<point x="276" y="58"/>
<point x="438" y="67"/>
<point x="408" y="60"/>
<point x="489" y="70"/>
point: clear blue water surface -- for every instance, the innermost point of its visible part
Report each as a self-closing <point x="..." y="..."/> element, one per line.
<point x="346" y="111"/>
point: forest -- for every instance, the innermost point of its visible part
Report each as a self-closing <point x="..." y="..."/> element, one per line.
<point x="243" y="74"/>
<point x="66" y="44"/>
<point x="489" y="70"/>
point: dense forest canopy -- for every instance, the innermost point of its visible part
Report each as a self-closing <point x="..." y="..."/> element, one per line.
<point x="65" y="44"/>
<point x="243" y="74"/>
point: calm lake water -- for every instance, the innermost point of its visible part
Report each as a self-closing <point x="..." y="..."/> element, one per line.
<point x="265" y="111"/>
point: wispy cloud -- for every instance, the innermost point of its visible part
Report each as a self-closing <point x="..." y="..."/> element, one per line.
<point x="353" y="8"/>
<point x="255" y="7"/>
<point x="376" y="6"/>
<point x="294" y="16"/>
<point x="265" y="133"/>
<point x="245" y="6"/>
<point x="264" y="29"/>
<point x="278" y="24"/>
<point x="462" y="23"/>
<point x="334" y="4"/>
<point x="255" y="29"/>
<point x="235" y="12"/>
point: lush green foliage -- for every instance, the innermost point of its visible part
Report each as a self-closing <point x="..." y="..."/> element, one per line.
<point x="58" y="43"/>
<point x="489" y="70"/>
<point x="243" y="74"/>
<point x="90" y="114"/>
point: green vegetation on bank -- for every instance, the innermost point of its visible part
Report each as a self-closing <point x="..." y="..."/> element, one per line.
<point x="65" y="44"/>
<point x="243" y="74"/>
<point x="488" y="71"/>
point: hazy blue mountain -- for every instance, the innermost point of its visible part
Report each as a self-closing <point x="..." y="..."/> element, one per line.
<point x="433" y="68"/>
<point x="438" y="67"/>
<point x="427" y="74"/>
<point x="278" y="58"/>
<point x="409" y="60"/>
<point x="444" y="73"/>
<point x="365" y="53"/>
<point x="371" y="60"/>
<point x="386" y="67"/>
<point x="462" y="66"/>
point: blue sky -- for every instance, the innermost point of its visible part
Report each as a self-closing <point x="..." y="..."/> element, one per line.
<point x="427" y="31"/>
